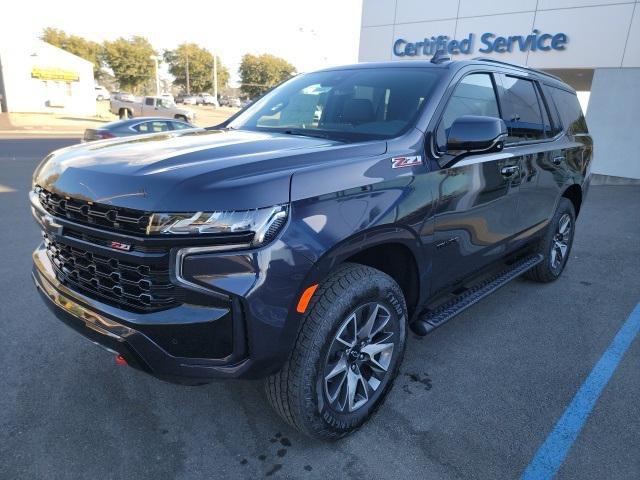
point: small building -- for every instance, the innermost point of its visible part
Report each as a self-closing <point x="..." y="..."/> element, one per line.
<point x="38" y="77"/>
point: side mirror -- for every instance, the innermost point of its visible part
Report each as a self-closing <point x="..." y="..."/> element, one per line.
<point x="472" y="134"/>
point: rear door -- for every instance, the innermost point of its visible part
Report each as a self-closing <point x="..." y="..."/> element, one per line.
<point x="476" y="212"/>
<point x="533" y="139"/>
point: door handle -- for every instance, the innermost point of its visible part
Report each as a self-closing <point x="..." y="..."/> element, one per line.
<point x="509" y="170"/>
<point x="558" y="160"/>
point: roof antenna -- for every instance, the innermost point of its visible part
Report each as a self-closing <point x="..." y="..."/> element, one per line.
<point x="440" y="56"/>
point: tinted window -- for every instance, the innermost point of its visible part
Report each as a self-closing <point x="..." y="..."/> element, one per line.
<point x="180" y="126"/>
<point x="556" y="127"/>
<point x="347" y="104"/>
<point x="148" y="101"/>
<point x="570" y="111"/>
<point x="521" y="110"/>
<point x="151" y="127"/>
<point x="474" y="95"/>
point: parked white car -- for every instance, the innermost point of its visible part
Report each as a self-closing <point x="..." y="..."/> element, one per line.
<point x="208" y="99"/>
<point x="102" y="93"/>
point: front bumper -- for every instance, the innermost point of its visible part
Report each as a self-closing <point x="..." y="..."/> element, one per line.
<point x="120" y="331"/>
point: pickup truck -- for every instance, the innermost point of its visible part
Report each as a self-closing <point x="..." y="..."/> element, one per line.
<point x="301" y="239"/>
<point x="151" y="107"/>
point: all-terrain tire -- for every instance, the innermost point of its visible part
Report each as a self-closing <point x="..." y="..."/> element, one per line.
<point x="545" y="271"/>
<point x="297" y="392"/>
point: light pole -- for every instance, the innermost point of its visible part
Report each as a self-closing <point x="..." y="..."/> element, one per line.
<point x="215" y="78"/>
<point x="156" y="59"/>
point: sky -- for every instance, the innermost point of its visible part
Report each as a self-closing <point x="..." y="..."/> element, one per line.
<point x="310" y="35"/>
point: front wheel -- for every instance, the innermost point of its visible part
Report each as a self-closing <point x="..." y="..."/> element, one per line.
<point x="346" y="356"/>
<point x="556" y="244"/>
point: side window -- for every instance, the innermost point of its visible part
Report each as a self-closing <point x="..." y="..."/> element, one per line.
<point x="556" y="127"/>
<point x="546" y="121"/>
<point x="142" y="127"/>
<point x="570" y="111"/>
<point x="148" y="101"/>
<point x="159" y="126"/>
<point x="180" y="126"/>
<point x="521" y="110"/>
<point x="474" y="95"/>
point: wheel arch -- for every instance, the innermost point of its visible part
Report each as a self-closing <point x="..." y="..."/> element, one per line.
<point x="395" y="251"/>
<point x="574" y="194"/>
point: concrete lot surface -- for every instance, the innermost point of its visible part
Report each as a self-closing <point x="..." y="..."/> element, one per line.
<point x="475" y="399"/>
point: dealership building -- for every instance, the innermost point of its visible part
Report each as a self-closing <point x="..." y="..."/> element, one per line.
<point x="593" y="45"/>
<point x="38" y="77"/>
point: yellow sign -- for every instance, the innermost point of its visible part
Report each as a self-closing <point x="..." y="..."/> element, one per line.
<point x="54" y="74"/>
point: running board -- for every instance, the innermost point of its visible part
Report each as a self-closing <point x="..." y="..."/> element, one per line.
<point x="432" y="319"/>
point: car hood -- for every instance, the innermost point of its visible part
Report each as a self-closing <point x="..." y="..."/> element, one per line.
<point x="192" y="170"/>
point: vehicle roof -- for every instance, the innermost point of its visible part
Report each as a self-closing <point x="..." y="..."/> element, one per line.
<point x="455" y="65"/>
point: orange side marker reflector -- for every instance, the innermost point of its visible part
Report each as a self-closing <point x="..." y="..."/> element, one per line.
<point x="303" y="303"/>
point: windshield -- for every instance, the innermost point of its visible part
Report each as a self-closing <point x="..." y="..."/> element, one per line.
<point x="167" y="103"/>
<point x="356" y="104"/>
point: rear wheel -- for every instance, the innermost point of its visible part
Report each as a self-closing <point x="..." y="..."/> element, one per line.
<point x="347" y="354"/>
<point x="124" y="114"/>
<point x="556" y="244"/>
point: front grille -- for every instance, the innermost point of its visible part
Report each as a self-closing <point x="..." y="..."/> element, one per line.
<point x="128" y="285"/>
<point x="85" y="237"/>
<point x="118" y="219"/>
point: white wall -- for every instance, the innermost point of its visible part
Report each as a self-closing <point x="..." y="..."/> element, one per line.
<point x="602" y="33"/>
<point x="612" y="117"/>
<point x="27" y="94"/>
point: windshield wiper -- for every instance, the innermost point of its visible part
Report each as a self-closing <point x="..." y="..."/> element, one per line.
<point x="303" y="132"/>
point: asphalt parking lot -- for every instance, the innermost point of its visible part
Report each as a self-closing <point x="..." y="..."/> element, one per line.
<point x="475" y="399"/>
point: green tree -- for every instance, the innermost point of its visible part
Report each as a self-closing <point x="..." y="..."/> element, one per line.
<point x="200" y="61"/>
<point x="130" y="60"/>
<point x="79" y="46"/>
<point x="259" y="73"/>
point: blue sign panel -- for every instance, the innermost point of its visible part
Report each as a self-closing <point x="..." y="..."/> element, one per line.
<point x="490" y="43"/>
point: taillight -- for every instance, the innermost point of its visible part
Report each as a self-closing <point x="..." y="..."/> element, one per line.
<point x="105" y="135"/>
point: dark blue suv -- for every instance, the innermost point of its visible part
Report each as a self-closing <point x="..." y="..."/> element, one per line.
<point x="301" y="239"/>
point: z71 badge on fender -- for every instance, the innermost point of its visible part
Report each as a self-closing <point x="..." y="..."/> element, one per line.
<point x="401" y="162"/>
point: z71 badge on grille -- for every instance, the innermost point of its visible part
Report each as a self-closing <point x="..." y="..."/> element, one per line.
<point x="121" y="246"/>
<point x="401" y="162"/>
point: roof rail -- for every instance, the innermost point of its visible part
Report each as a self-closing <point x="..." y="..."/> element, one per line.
<point x="500" y="62"/>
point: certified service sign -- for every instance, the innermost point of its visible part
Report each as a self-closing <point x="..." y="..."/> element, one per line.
<point x="489" y="43"/>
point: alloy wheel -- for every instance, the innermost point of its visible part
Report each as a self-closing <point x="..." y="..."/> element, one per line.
<point x="359" y="357"/>
<point x="561" y="242"/>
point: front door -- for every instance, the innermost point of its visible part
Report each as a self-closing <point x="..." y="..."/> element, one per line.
<point x="476" y="214"/>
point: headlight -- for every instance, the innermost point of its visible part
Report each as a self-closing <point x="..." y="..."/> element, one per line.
<point x="264" y="223"/>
